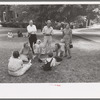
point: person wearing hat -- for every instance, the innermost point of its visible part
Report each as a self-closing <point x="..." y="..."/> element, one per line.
<point x="47" y="32"/>
<point x="32" y="34"/>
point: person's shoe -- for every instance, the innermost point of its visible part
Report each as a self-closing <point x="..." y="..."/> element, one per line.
<point x="69" y="57"/>
<point x="39" y="60"/>
<point x="65" y="56"/>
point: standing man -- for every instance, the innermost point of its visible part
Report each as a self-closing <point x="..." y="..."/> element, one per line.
<point x="32" y="34"/>
<point x="47" y="32"/>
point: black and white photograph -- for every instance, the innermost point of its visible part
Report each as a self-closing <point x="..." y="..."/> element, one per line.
<point x="49" y="49"/>
<point x="50" y="43"/>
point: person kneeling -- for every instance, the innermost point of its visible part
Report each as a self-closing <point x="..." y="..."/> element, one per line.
<point x="58" y="52"/>
<point x="50" y="62"/>
<point x="16" y="67"/>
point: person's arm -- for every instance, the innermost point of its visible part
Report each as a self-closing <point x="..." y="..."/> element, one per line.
<point x="53" y="63"/>
<point x="52" y="31"/>
<point x="28" y="31"/>
<point x="63" y="32"/>
<point x="35" y="29"/>
<point x="43" y="31"/>
<point x="21" y="51"/>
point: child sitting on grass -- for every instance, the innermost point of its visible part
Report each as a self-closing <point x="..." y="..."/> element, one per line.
<point x="10" y="34"/>
<point x="26" y="52"/>
<point x="38" y="49"/>
<point x="49" y="62"/>
<point x="16" y="66"/>
<point x="19" y="34"/>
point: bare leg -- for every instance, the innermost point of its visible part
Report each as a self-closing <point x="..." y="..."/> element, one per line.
<point x="66" y="51"/>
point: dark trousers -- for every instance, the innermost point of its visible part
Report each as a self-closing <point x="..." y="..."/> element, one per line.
<point x="32" y="39"/>
<point x="58" y="59"/>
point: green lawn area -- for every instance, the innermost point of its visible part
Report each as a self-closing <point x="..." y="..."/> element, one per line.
<point x="84" y="66"/>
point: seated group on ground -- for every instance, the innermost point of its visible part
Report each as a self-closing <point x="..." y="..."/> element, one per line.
<point x="21" y="61"/>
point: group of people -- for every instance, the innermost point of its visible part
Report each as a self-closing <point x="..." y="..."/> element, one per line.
<point x="10" y="34"/>
<point x="21" y="61"/>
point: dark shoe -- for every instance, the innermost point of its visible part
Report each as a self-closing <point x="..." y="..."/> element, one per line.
<point x="65" y="56"/>
<point x="39" y="60"/>
<point x="69" y="57"/>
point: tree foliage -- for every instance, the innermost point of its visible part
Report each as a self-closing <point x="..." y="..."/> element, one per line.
<point x="41" y="13"/>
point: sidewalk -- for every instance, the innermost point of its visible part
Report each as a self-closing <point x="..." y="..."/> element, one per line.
<point x="91" y="36"/>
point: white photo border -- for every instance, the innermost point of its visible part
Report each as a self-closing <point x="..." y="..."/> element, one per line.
<point x="49" y="90"/>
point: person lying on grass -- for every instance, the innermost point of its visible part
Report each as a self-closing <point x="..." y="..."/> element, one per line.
<point x="26" y="52"/>
<point x="49" y="62"/>
<point x="16" y="67"/>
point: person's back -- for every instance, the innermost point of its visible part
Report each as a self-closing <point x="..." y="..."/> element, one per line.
<point x="52" y="60"/>
<point x="16" y="66"/>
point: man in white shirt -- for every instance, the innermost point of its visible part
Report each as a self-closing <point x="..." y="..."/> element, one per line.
<point x="47" y="32"/>
<point x="32" y="34"/>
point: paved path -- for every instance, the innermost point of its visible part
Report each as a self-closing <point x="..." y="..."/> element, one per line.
<point x="91" y="36"/>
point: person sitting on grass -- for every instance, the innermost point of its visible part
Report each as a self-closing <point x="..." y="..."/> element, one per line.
<point x="38" y="49"/>
<point x="10" y="34"/>
<point x="16" y="67"/>
<point x="49" y="62"/>
<point x="58" y="52"/>
<point x="26" y="52"/>
<point x="19" y="33"/>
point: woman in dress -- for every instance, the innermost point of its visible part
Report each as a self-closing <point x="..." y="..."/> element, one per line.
<point x="67" y="36"/>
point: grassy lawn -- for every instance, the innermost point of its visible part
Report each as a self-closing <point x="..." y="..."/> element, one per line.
<point x="83" y="67"/>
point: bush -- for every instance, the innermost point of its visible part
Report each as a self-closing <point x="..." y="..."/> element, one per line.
<point x="14" y="24"/>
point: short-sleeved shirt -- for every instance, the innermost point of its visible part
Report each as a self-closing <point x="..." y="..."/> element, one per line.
<point x="15" y="64"/>
<point x="31" y="29"/>
<point x="47" y="30"/>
